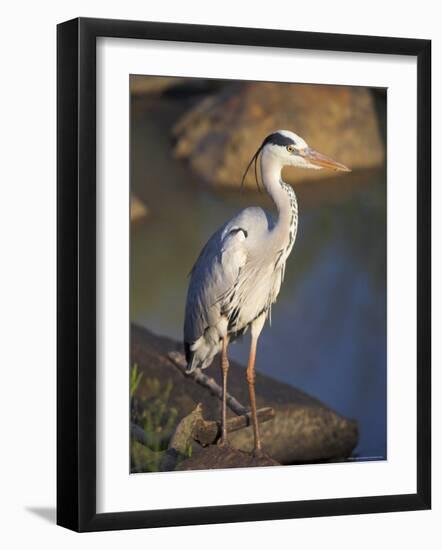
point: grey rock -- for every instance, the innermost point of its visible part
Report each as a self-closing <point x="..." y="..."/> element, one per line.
<point x="216" y="457"/>
<point x="303" y="429"/>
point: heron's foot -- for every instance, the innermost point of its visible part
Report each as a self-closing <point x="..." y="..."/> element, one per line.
<point x="259" y="453"/>
<point x="222" y="442"/>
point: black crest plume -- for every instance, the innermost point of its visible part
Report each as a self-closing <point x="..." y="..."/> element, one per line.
<point x="276" y="139"/>
<point x="254" y="159"/>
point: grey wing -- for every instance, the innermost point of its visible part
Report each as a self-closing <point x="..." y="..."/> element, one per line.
<point x="215" y="274"/>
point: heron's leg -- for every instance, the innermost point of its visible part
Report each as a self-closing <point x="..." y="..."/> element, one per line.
<point x="256" y="329"/>
<point x="251" y="382"/>
<point x="224" y="370"/>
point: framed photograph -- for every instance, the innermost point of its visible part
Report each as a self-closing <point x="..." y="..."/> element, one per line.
<point x="243" y="274"/>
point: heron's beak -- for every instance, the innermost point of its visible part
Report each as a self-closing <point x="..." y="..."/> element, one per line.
<point x="318" y="159"/>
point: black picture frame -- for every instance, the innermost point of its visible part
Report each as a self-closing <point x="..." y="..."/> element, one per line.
<point x="76" y="273"/>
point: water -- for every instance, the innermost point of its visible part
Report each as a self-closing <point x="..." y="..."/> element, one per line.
<point x="328" y="333"/>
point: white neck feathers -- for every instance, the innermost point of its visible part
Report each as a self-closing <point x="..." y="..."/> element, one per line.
<point x="284" y="198"/>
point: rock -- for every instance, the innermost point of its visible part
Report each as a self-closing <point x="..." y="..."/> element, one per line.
<point x="138" y="209"/>
<point x="142" y="85"/>
<point x="227" y="456"/>
<point x="303" y="429"/>
<point x="219" y="136"/>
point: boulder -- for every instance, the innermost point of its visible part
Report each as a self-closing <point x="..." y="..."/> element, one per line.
<point x="303" y="429"/>
<point x="142" y="86"/>
<point x="221" y="133"/>
<point x="138" y="210"/>
<point x="221" y="457"/>
<point x="146" y="85"/>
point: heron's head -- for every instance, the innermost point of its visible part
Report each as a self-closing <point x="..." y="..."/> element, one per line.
<point x="291" y="150"/>
<point x="288" y="149"/>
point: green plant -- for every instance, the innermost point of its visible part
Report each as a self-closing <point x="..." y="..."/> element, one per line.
<point x="135" y="379"/>
<point x="150" y="409"/>
<point x="157" y="416"/>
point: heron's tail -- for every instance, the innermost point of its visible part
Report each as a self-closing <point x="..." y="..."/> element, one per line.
<point x="198" y="354"/>
<point x="191" y="358"/>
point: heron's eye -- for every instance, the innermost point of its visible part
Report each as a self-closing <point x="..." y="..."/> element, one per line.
<point x="290" y="148"/>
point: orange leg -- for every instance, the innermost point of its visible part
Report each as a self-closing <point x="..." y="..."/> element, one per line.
<point x="224" y="370"/>
<point x="251" y="382"/>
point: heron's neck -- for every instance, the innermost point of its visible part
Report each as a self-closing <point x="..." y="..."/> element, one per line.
<point x="282" y="194"/>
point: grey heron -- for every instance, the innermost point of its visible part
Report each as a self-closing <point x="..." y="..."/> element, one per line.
<point x="238" y="274"/>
